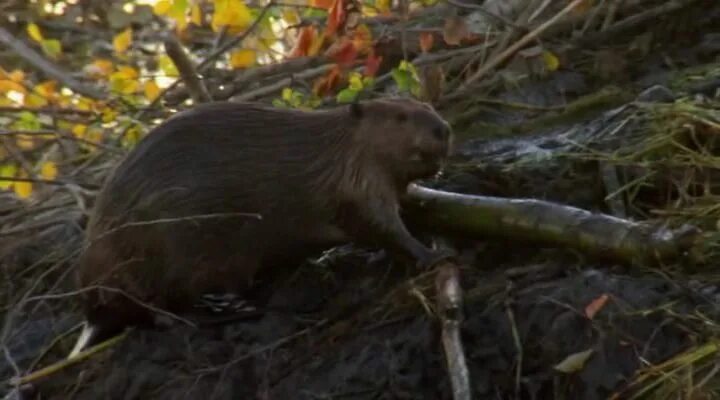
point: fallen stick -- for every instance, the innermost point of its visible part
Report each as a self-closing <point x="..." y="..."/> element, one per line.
<point x="543" y="221"/>
<point x="449" y="308"/>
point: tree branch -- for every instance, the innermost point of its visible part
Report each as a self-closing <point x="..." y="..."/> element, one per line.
<point x="39" y="62"/>
<point x="197" y="89"/>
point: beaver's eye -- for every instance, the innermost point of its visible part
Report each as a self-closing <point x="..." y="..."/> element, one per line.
<point x="401" y="117"/>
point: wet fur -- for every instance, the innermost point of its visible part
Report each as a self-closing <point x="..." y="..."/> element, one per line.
<point x="316" y="178"/>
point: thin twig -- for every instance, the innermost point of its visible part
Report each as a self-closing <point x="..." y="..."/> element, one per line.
<point x="59" y="366"/>
<point x="49" y="110"/>
<point x="510" y="51"/>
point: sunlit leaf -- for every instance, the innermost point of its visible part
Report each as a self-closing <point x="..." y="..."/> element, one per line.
<point x="108" y="115"/>
<point x="34" y="100"/>
<point x="574" y="362"/>
<point x="8" y="85"/>
<point x="34" y="32"/>
<point x="362" y="38"/>
<point x="152" y="91"/>
<point x="242" y="58"/>
<point x="167" y="65"/>
<point x="126" y="72"/>
<point x="343" y="52"/>
<point x="79" y="131"/>
<point x="336" y="17"/>
<point x="426" y="41"/>
<point x="196" y="15"/>
<point x="16" y="76"/>
<point x="291" y="16"/>
<point x="552" y="63"/>
<point x="347" y="96"/>
<point x="48" y="170"/>
<point x="355" y="81"/>
<point x="326" y="4"/>
<point x="231" y="13"/>
<point x="25" y="142"/>
<point x="306" y="35"/>
<point x="47" y="89"/>
<point x="406" y="78"/>
<point x="51" y="47"/>
<point x="327" y="83"/>
<point x="162" y="7"/>
<point x="23" y="189"/>
<point x="7" y="171"/>
<point x="99" y="68"/>
<point x="383" y="6"/>
<point x="122" y="40"/>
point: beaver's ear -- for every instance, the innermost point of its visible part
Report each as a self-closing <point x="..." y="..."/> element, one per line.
<point x="356" y="110"/>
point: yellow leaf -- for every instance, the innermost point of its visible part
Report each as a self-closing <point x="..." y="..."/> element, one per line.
<point x="242" y="58"/>
<point x="7" y="86"/>
<point x="47" y="89"/>
<point x="383" y="6"/>
<point x="33" y="100"/>
<point x="23" y="189"/>
<point x="34" y="31"/>
<point x="85" y="104"/>
<point x="108" y="115"/>
<point x="25" y="142"/>
<point x="94" y="135"/>
<point x="126" y="72"/>
<point x="151" y="90"/>
<point x="122" y="40"/>
<point x="99" y="68"/>
<point x="48" y="170"/>
<point x="17" y="76"/>
<point x="291" y="16"/>
<point x="196" y="15"/>
<point x="231" y="13"/>
<point x="552" y="63"/>
<point x="7" y="171"/>
<point x="162" y="7"/>
<point x="79" y="130"/>
<point x="356" y="81"/>
<point x="51" y="47"/>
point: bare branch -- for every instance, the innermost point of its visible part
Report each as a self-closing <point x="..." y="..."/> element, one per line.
<point x="197" y="89"/>
<point x="39" y="62"/>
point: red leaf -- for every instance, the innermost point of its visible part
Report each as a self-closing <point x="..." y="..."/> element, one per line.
<point x="336" y="17"/>
<point x="343" y="53"/>
<point x="327" y="83"/>
<point x="372" y="64"/>
<point x="426" y="41"/>
<point x="595" y="306"/>
<point x="326" y="4"/>
<point x="305" y="39"/>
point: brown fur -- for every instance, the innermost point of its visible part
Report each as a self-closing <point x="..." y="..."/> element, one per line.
<point x="316" y="178"/>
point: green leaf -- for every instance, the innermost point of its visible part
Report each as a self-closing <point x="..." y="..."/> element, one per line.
<point x="167" y="66"/>
<point x="27" y="121"/>
<point x="401" y="78"/>
<point x="356" y="83"/>
<point x="7" y="171"/>
<point x="178" y="9"/>
<point x="347" y="95"/>
<point x="51" y="47"/>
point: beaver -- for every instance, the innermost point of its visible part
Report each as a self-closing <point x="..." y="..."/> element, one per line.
<point x="216" y="193"/>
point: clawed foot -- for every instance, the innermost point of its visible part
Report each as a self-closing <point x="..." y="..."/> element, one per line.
<point x="435" y="257"/>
